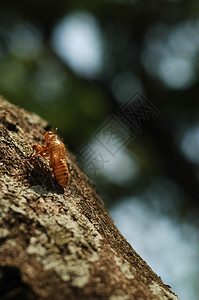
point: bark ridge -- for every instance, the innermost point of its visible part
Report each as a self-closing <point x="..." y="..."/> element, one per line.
<point x="55" y="243"/>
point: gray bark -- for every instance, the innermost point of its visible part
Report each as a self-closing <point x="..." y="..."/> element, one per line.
<point x="55" y="243"/>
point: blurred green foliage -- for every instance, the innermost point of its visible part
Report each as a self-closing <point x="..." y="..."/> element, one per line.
<point x="146" y="46"/>
<point x="150" y="46"/>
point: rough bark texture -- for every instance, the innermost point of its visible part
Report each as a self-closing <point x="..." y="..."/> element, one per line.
<point x="55" y="243"/>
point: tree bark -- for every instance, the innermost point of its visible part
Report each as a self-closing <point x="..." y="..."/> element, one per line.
<point x="55" y="243"/>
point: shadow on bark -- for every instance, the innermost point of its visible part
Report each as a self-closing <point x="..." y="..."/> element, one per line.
<point x="55" y="243"/>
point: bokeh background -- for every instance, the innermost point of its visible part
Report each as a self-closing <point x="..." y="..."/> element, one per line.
<point x="75" y="63"/>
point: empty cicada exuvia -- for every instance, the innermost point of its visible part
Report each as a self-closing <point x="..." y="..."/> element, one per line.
<point x="55" y="150"/>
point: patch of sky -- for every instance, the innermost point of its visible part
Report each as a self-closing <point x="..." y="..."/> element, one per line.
<point x="77" y="40"/>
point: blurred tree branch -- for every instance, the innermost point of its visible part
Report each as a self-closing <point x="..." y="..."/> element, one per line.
<point x="56" y="244"/>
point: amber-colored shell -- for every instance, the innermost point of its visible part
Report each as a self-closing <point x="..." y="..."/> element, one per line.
<point x="61" y="172"/>
<point x="55" y="150"/>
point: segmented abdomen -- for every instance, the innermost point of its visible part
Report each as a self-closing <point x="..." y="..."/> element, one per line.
<point x="61" y="172"/>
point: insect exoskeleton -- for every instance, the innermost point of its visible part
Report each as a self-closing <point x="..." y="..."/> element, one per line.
<point x="55" y="151"/>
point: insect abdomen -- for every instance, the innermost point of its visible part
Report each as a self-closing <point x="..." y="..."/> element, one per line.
<point x="61" y="172"/>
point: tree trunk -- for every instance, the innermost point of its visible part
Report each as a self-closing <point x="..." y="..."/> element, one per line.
<point x="55" y="243"/>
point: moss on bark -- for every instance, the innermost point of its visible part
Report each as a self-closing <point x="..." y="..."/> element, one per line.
<point x="55" y="243"/>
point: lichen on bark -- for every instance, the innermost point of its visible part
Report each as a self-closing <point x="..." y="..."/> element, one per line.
<point x="55" y="243"/>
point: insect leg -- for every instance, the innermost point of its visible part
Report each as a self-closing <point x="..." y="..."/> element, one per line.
<point x="39" y="150"/>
